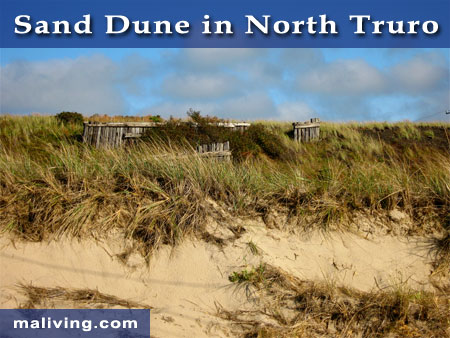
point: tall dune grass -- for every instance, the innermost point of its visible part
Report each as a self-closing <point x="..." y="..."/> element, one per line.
<point x="51" y="183"/>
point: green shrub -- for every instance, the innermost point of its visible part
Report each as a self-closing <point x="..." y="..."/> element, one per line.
<point x="429" y="133"/>
<point x="156" y="118"/>
<point x="70" y="117"/>
<point x="256" y="140"/>
<point x="254" y="275"/>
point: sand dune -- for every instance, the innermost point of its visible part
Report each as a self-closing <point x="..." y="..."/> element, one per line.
<point x="184" y="284"/>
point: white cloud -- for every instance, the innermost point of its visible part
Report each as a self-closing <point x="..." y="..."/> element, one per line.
<point x="253" y="105"/>
<point x="235" y="83"/>
<point x="85" y="84"/>
<point x="178" y="109"/>
<point x="294" y="111"/>
<point x="302" y="58"/>
<point x="343" y="77"/>
<point x="261" y="74"/>
<point x="131" y="70"/>
<point x="199" y="86"/>
<point x="218" y="57"/>
<point x="419" y="74"/>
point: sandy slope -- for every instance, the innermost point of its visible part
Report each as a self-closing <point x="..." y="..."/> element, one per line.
<point x="185" y="283"/>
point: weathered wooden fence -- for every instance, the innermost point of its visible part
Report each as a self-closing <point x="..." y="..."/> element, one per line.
<point x="213" y="147"/>
<point x="236" y="126"/>
<point x="112" y="135"/>
<point x="218" y="150"/>
<point x="115" y="134"/>
<point x="307" y="131"/>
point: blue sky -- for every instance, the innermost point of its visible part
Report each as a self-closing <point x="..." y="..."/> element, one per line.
<point x="247" y="84"/>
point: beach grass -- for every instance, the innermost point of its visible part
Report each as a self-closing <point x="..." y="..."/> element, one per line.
<point x="155" y="191"/>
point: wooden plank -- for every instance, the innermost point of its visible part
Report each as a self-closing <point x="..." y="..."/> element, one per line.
<point x="104" y="140"/>
<point x="132" y="135"/>
<point x="121" y="134"/>
<point x="91" y="135"/>
<point x="118" y="136"/>
<point x="105" y="137"/>
<point x="101" y="137"/>
<point x="97" y="139"/>
<point x="127" y="124"/>
<point x="88" y="134"/>
<point x="108" y="137"/>
<point x="112" y="137"/>
<point x="222" y="154"/>
<point x="98" y="130"/>
<point x="84" y="132"/>
<point x="309" y="125"/>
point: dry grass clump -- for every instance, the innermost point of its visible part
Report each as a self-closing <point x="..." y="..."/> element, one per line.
<point x="290" y="307"/>
<point x="440" y="248"/>
<point x="79" y="191"/>
<point x="41" y="297"/>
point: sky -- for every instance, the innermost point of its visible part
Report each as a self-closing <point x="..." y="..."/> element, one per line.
<point x="243" y="84"/>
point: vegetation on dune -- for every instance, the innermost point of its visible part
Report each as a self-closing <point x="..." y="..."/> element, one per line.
<point x="51" y="183"/>
<point x="255" y="141"/>
<point x="44" y="298"/>
<point x="290" y="307"/>
<point x="127" y="118"/>
<point x="70" y="118"/>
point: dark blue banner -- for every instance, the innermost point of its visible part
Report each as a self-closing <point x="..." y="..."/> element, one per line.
<point x="178" y="23"/>
<point x="99" y="323"/>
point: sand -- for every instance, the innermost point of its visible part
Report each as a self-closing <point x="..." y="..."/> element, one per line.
<point x="184" y="284"/>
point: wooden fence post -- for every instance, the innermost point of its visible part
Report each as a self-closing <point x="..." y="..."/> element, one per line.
<point x="307" y="131"/>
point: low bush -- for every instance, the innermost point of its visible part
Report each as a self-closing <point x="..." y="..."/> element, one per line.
<point x="251" y="143"/>
<point x="70" y="117"/>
